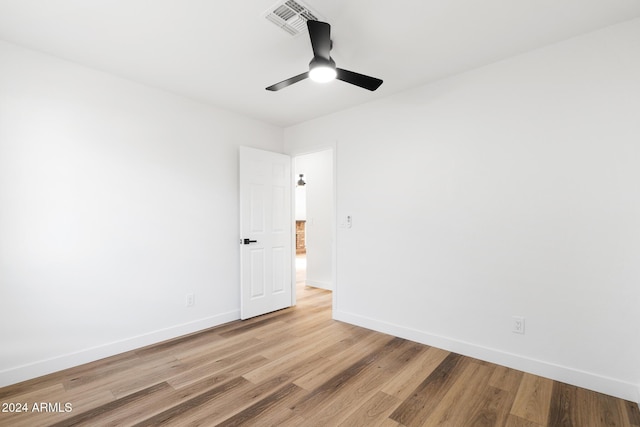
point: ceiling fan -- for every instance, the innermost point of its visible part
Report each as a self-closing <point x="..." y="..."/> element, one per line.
<point x="322" y="67"/>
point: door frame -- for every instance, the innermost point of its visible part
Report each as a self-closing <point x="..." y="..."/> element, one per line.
<point x="301" y="151"/>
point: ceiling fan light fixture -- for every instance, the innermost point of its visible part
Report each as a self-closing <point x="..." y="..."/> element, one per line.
<point x="322" y="71"/>
<point x="322" y="74"/>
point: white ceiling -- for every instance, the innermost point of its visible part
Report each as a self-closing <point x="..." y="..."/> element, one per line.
<point x="225" y="52"/>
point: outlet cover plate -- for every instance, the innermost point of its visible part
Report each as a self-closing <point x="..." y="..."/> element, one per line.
<point x="190" y="300"/>
<point x="518" y="325"/>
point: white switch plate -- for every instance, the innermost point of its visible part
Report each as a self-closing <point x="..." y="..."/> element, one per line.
<point x="345" y="222"/>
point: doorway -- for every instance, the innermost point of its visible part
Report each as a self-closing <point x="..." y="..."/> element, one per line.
<point x="314" y="220"/>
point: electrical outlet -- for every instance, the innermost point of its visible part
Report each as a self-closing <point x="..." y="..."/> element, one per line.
<point x="190" y="300"/>
<point x="518" y="325"/>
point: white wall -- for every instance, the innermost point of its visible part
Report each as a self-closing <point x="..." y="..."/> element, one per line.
<point x="300" y="202"/>
<point x="318" y="174"/>
<point x="509" y="190"/>
<point x="116" y="200"/>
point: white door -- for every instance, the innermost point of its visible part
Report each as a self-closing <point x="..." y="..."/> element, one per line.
<point x="265" y="232"/>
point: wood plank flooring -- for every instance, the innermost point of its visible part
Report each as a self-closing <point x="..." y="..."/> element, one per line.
<point x="298" y="367"/>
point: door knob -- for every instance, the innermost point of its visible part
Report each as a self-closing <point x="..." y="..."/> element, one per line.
<point x="247" y="241"/>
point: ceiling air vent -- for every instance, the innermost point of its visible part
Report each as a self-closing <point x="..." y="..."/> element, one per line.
<point x="291" y="16"/>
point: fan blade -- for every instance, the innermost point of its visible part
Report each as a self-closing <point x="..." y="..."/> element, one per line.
<point x="288" y="82"/>
<point x="320" y="35"/>
<point x="366" y="82"/>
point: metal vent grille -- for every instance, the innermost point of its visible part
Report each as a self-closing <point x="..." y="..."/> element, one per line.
<point x="291" y="16"/>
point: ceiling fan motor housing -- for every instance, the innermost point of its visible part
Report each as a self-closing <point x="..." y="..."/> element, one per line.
<point x="321" y="62"/>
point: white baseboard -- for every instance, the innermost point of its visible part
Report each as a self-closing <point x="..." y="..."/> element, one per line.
<point x="606" y="385"/>
<point x="318" y="284"/>
<point x="48" y="366"/>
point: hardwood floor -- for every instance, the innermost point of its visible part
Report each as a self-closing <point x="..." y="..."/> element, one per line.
<point x="298" y="367"/>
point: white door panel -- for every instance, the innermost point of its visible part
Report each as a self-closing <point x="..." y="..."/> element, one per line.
<point x="265" y="218"/>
